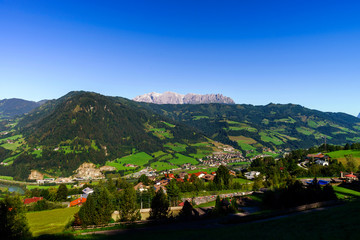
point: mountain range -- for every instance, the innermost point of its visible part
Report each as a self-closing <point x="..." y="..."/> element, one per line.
<point x="58" y="136"/>
<point x="176" y="98"/>
<point x="12" y="107"/>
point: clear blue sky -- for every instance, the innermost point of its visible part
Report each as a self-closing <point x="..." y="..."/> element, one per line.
<point x="257" y="52"/>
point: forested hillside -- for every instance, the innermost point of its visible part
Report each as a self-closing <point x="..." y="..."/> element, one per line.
<point x="82" y="127"/>
<point x="10" y="108"/>
<point x="276" y="126"/>
<point x="79" y="127"/>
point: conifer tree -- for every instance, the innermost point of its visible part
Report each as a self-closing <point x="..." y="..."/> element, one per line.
<point x="128" y="208"/>
<point x="159" y="206"/>
<point x="61" y="193"/>
<point x="13" y="222"/>
<point x="97" y="209"/>
<point x="222" y="178"/>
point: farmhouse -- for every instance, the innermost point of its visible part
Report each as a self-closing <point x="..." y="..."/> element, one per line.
<point x="77" y="202"/>
<point x="322" y="162"/>
<point x="32" y="200"/>
<point x="141" y="187"/>
<point x="251" y="175"/>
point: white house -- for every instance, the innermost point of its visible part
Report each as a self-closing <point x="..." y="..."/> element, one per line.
<point x="322" y="162"/>
<point x="251" y="175"/>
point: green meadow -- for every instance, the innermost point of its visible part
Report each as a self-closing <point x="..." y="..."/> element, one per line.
<point x="342" y="192"/>
<point x="176" y="147"/>
<point x="161" y="166"/>
<point x="45" y="187"/>
<point x="139" y="159"/>
<point x="6" y="178"/>
<point x="341" y="155"/>
<point x="181" y="159"/>
<point x="50" y="221"/>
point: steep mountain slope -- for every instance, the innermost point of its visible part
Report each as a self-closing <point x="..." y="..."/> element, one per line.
<point x="10" y="108"/>
<point x="176" y="98"/>
<point x="277" y="126"/>
<point x="83" y="126"/>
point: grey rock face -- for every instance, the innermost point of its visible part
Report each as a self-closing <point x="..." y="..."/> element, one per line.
<point x="176" y="98"/>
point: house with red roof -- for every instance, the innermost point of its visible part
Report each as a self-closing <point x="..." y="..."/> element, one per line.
<point x="32" y="200"/>
<point x="77" y="202"/>
<point x="170" y="175"/>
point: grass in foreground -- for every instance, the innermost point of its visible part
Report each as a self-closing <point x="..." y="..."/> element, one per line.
<point x="338" y="222"/>
<point x="343" y="193"/>
<point x="51" y="221"/>
<point x="6" y="178"/>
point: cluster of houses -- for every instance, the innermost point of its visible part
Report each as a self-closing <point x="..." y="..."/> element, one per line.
<point x="181" y="177"/>
<point x="219" y="158"/>
<point x="319" y="159"/>
<point x="148" y="171"/>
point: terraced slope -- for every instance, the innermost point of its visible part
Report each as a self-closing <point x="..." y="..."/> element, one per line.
<point x="274" y="126"/>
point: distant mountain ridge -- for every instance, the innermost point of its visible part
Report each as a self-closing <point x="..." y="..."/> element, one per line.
<point x="275" y="126"/>
<point x="176" y="98"/>
<point x="12" y="107"/>
<point x="359" y="115"/>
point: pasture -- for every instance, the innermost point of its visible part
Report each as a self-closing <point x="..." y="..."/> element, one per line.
<point x="176" y="147"/>
<point x="342" y="192"/>
<point x="29" y="187"/>
<point x="6" y="178"/>
<point x="139" y="159"/>
<point x="50" y="221"/>
<point x="341" y="155"/>
<point x="333" y="223"/>
<point x="161" y="166"/>
<point x="181" y="159"/>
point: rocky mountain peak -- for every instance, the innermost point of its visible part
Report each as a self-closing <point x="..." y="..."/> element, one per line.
<point x="176" y="98"/>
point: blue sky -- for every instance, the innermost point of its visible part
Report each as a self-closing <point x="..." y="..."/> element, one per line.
<point x="256" y="52"/>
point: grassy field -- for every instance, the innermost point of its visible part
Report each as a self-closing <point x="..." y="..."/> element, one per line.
<point x="340" y="155"/>
<point x="6" y="178"/>
<point x="44" y="187"/>
<point x="161" y="166"/>
<point x="205" y="169"/>
<point x="334" y="223"/>
<point x="201" y="153"/>
<point x="176" y="147"/>
<point x="161" y="133"/>
<point x="118" y="166"/>
<point x="200" y="117"/>
<point x="286" y="120"/>
<point x="158" y="154"/>
<point x="139" y="159"/>
<point x="342" y="193"/>
<point x="270" y="138"/>
<point x="168" y="124"/>
<point x="208" y="204"/>
<point x="241" y="180"/>
<point x="51" y="221"/>
<point x="181" y="159"/>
